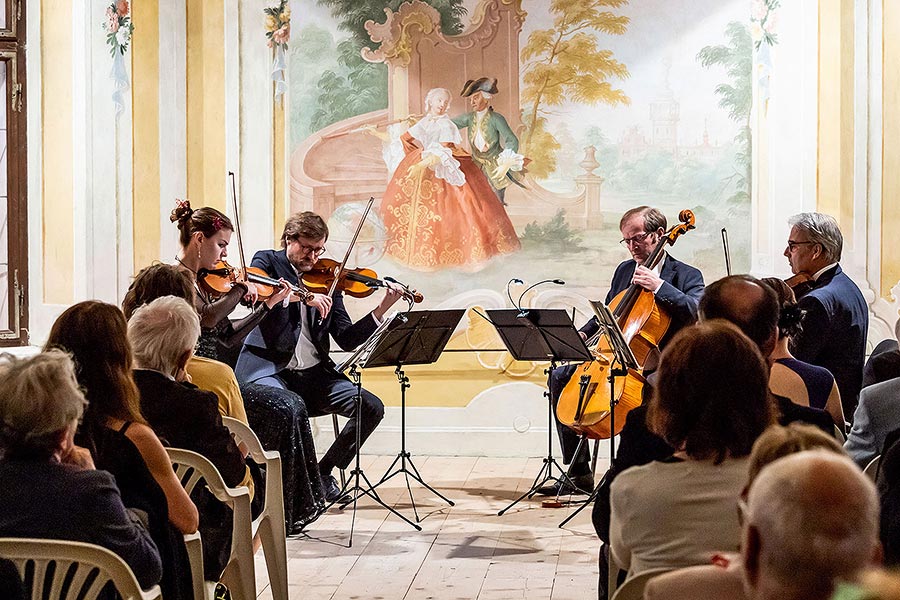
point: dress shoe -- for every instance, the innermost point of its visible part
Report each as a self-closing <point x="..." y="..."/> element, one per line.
<point x="580" y="485"/>
<point x="333" y="491"/>
<point x="303" y="522"/>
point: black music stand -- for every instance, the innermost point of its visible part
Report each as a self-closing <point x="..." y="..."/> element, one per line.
<point x="352" y="484"/>
<point x="622" y="355"/>
<point x="419" y="340"/>
<point x="540" y="334"/>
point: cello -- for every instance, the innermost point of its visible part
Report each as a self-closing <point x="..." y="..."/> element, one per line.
<point x="584" y="404"/>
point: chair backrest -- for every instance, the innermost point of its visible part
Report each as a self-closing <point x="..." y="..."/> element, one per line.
<point x="633" y="587"/>
<point x="240" y="576"/>
<point x="871" y="469"/>
<point x="88" y="568"/>
<point x="839" y="434"/>
<point x="269" y="524"/>
<point x="273" y="504"/>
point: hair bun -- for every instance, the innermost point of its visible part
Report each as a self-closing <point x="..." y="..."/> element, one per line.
<point x="790" y="319"/>
<point x="181" y="212"/>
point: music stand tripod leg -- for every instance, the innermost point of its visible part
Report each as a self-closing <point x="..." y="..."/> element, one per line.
<point x="613" y="401"/>
<point x="404" y="456"/>
<point x="546" y="473"/>
<point x="352" y="486"/>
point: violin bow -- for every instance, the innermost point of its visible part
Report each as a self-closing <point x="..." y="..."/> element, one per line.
<point x="237" y="224"/>
<point x="727" y="255"/>
<point x="339" y="270"/>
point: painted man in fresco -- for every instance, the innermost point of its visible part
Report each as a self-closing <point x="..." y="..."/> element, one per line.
<point x="493" y="144"/>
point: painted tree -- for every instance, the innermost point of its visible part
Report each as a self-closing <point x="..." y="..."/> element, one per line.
<point x="566" y="63"/>
<point x="357" y="86"/>
<point x="736" y="96"/>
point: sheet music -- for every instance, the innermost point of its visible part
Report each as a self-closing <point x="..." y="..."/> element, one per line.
<point x="362" y="351"/>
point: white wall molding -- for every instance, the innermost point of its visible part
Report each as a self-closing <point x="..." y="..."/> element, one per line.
<point x="256" y="165"/>
<point x="172" y="119"/>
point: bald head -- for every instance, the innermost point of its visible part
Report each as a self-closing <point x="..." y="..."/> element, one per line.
<point x="812" y="519"/>
<point x="748" y="303"/>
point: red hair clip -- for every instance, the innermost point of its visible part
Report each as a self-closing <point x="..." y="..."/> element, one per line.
<point x="218" y="223"/>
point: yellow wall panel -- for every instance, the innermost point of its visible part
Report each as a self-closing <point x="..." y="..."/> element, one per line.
<point x="56" y="145"/>
<point x="145" y="150"/>
<point x="890" y="182"/>
<point x="206" y="171"/>
<point x="836" y="129"/>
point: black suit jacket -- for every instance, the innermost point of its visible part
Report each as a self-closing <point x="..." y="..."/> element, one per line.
<point x="679" y="295"/>
<point x="185" y="416"/>
<point x="269" y="348"/>
<point x="834" y="332"/>
<point x="883" y="363"/>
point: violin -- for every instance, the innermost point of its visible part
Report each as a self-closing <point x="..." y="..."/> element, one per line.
<point x="584" y="403"/>
<point x="802" y="283"/>
<point x="328" y="274"/>
<point x="220" y="280"/>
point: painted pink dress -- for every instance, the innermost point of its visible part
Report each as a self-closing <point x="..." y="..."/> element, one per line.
<point x="446" y="215"/>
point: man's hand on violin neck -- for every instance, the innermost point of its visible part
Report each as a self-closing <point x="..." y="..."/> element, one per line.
<point x="392" y="293"/>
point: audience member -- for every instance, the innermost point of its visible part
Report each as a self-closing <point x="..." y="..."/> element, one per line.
<point x="50" y="486"/>
<point x="884" y="362"/>
<point x="811" y="520"/>
<point x="753" y="307"/>
<point x="710" y="404"/>
<point x="723" y="579"/>
<point x="877" y="414"/>
<point x="888" y="482"/>
<point x="277" y="417"/>
<point x="118" y="436"/>
<point x="160" y="279"/>
<point x="162" y="335"/>
<point x="798" y="381"/>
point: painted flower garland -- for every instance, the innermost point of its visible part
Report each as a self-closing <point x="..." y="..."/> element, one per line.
<point x="119" y="30"/>
<point x="118" y="26"/>
<point x="278" y="33"/>
<point x="763" y="19"/>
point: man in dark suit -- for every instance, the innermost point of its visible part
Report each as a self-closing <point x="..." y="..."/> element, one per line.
<point x="837" y="317"/>
<point x="289" y="349"/>
<point x="677" y="287"/>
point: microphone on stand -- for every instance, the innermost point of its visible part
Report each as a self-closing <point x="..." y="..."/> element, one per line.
<point x="522" y="311"/>
<point x="508" y="294"/>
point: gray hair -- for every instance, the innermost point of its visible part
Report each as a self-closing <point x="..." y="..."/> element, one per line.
<point x="822" y="229"/>
<point x="39" y="397"/>
<point x="817" y="517"/>
<point x="160" y="332"/>
<point x="433" y="93"/>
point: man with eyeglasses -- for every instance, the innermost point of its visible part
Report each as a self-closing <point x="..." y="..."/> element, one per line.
<point x="289" y="349"/>
<point x="837" y="316"/>
<point x="677" y="287"/>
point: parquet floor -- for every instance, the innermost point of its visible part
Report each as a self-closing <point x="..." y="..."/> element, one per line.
<point x="465" y="551"/>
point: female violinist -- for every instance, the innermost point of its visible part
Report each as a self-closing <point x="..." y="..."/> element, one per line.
<point x="289" y="350"/>
<point x="278" y="417"/>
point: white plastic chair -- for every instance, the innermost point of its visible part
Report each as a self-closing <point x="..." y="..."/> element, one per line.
<point x="269" y="524"/>
<point x="839" y="434"/>
<point x="239" y="575"/>
<point x="633" y="587"/>
<point x="79" y="557"/>
<point x="871" y="469"/>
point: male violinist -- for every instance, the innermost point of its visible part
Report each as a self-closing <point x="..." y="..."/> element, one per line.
<point x="677" y="288"/>
<point x="289" y="349"/>
<point x="837" y="316"/>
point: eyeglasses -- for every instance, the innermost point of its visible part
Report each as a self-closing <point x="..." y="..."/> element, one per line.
<point x="792" y="245"/>
<point x="304" y="249"/>
<point x="636" y="239"/>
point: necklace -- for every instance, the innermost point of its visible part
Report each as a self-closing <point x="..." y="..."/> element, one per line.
<point x="180" y="262"/>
